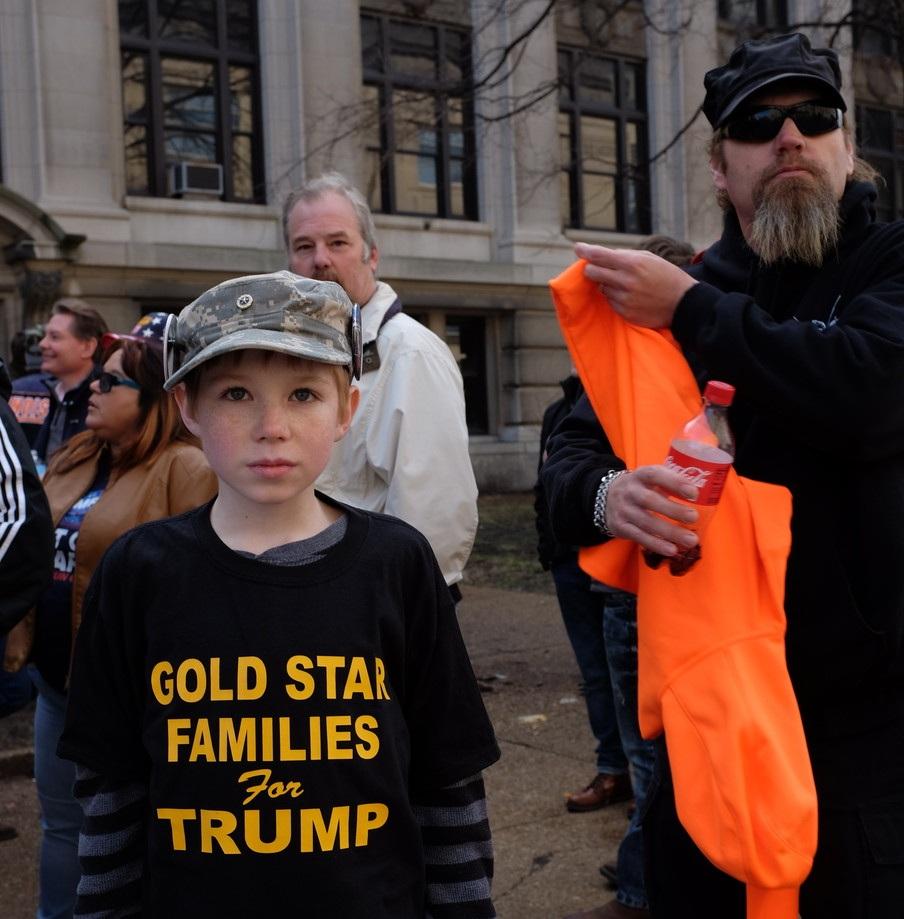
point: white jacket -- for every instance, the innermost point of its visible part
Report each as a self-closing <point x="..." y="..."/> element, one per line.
<point x="406" y="453"/>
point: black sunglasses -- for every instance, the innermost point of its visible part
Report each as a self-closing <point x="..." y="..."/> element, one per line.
<point x="106" y="381"/>
<point x="760" y="124"/>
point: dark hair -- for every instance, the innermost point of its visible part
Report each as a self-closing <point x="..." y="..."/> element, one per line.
<point x="672" y="250"/>
<point x="87" y="323"/>
<point x="159" y="423"/>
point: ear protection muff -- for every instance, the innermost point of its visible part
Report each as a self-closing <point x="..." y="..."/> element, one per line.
<point x="172" y="353"/>
<point x="356" y="340"/>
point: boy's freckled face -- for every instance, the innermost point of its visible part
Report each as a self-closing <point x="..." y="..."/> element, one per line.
<point x="267" y="424"/>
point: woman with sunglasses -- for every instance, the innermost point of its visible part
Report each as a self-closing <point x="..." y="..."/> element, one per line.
<point x="134" y="463"/>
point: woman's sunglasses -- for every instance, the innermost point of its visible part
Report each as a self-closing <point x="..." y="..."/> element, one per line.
<point x="106" y="381"/>
<point x="758" y="125"/>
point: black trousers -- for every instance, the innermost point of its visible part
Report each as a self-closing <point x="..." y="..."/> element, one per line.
<point x="858" y="872"/>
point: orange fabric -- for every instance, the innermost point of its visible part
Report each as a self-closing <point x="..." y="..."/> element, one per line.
<point x="711" y="654"/>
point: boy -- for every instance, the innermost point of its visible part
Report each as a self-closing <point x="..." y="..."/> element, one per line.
<point x="272" y="708"/>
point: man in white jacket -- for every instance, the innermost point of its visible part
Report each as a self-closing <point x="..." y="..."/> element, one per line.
<point x="407" y="451"/>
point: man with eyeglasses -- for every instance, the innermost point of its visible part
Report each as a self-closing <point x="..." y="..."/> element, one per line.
<point x="799" y="305"/>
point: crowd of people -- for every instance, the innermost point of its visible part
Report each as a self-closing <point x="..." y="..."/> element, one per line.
<point x="232" y="542"/>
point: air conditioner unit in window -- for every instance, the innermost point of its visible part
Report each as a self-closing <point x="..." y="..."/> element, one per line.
<point x="196" y="179"/>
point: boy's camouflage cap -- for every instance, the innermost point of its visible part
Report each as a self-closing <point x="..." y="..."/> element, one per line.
<point x="281" y="311"/>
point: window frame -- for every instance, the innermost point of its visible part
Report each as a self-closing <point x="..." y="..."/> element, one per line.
<point x="893" y="157"/>
<point x="153" y="50"/>
<point x="574" y="107"/>
<point x="387" y="82"/>
<point x="767" y="14"/>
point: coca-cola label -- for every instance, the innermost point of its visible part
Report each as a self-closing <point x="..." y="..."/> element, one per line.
<point x="707" y="476"/>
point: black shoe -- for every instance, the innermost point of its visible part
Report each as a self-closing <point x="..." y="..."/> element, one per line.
<point x="7" y="833"/>
<point x="610" y="872"/>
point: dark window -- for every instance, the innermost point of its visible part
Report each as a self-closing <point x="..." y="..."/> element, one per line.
<point x="876" y="23"/>
<point x="603" y="142"/>
<point x="419" y="123"/>
<point x="191" y="97"/>
<point x="880" y="138"/>
<point x="767" y="14"/>
<point x="466" y="338"/>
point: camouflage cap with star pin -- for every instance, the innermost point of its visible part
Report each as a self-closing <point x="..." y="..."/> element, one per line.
<point x="280" y="311"/>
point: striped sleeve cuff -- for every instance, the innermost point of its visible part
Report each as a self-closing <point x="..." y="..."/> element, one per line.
<point x="458" y="850"/>
<point x="110" y="846"/>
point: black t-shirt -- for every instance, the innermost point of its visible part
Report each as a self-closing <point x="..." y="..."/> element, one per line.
<point x="282" y="716"/>
<point x="52" y="647"/>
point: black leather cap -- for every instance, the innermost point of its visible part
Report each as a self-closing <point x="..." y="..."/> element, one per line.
<point x="756" y="64"/>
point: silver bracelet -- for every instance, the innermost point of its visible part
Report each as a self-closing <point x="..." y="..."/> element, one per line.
<point x="602" y="497"/>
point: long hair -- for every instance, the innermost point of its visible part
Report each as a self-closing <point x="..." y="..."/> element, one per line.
<point x="159" y="423"/>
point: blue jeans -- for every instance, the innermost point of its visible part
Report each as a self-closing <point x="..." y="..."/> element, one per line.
<point x="602" y="628"/>
<point x="16" y="689"/>
<point x="582" y="613"/>
<point x="61" y="815"/>
<point x="620" y="634"/>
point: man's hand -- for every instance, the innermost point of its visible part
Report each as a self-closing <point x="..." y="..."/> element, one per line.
<point x="642" y="287"/>
<point x="637" y="499"/>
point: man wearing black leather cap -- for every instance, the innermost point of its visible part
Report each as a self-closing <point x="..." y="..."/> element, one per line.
<point x="800" y="305"/>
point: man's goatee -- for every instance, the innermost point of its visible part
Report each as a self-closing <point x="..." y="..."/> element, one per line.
<point x="796" y="219"/>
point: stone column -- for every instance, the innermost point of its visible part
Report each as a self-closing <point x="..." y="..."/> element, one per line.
<point x="332" y="82"/>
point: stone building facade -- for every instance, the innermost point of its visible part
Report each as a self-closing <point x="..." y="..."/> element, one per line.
<point x="146" y="147"/>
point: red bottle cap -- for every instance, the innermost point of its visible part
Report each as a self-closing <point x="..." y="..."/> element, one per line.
<point x="719" y="393"/>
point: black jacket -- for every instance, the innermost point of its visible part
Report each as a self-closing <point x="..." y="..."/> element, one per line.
<point x="817" y="356"/>
<point x="75" y="407"/>
<point x="26" y="530"/>
<point x="549" y="549"/>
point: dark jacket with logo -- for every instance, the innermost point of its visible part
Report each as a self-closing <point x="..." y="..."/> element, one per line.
<point x="817" y="357"/>
<point x="30" y="401"/>
<point x="74" y="408"/>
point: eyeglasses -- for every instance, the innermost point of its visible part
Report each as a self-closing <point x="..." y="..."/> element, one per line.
<point x="761" y="124"/>
<point x="106" y="381"/>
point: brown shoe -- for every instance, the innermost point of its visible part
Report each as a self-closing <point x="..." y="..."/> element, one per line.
<point x="604" y="790"/>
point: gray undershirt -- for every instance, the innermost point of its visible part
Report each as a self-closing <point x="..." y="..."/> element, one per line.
<point x="303" y="551"/>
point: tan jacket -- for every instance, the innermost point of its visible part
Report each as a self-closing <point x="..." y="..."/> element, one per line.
<point x="177" y="481"/>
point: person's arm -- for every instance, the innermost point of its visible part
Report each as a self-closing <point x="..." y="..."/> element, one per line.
<point x="458" y="850"/>
<point x="26" y="528"/>
<point x="841" y="384"/>
<point x="417" y="441"/>
<point x="638" y="506"/>
<point x="111" y="845"/>
<point x="835" y="383"/>
<point x="452" y="742"/>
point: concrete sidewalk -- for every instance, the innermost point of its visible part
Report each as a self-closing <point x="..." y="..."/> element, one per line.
<point x="547" y="860"/>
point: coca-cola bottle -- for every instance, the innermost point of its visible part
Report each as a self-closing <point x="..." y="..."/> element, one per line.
<point x="702" y="452"/>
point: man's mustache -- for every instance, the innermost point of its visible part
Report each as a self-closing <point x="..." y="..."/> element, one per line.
<point x="796" y="163"/>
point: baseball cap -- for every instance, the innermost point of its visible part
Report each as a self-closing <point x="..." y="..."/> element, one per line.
<point x="280" y="311"/>
<point x="148" y="329"/>
<point x="756" y="64"/>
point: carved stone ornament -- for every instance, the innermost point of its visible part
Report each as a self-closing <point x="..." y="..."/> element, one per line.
<point x="39" y="290"/>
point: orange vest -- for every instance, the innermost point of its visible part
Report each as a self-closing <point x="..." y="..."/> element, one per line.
<point x="711" y="650"/>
